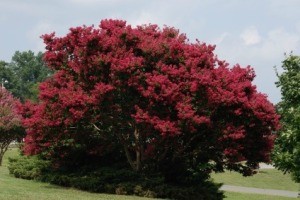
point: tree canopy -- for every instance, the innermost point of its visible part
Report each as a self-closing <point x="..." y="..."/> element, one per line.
<point x="287" y="149"/>
<point x="149" y="97"/>
<point x="23" y="74"/>
<point x="7" y="78"/>
<point x="10" y="121"/>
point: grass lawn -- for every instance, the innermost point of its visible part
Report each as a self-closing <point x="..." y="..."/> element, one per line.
<point x="18" y="189"/>
<point x="265" y="179"/>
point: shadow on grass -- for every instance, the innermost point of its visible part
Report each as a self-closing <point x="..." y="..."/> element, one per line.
<point x="262" y="172"/>
<point x="54" y="187"/>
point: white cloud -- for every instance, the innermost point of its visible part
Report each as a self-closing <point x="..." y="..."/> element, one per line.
<point x="278" y="42"/>
<point x="250" y="36"/>
<point x="268" y="49"/>
<point x="220" y="39"/>
<point x="144" y="17"/>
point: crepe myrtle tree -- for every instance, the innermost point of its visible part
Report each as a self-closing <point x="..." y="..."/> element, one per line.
<point x="10" y="121"/>
<point x="153" y="97"/>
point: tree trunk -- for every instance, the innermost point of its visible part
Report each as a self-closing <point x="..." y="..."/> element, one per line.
<point x="3" y="149"/>
<point x="134" y="161"/>
<point x="1" y="157"/>
<point x="138" y="150"/>
<point x="128" y="156"/>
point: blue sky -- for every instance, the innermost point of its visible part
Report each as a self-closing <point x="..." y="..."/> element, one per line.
<point x="254" y="32"/>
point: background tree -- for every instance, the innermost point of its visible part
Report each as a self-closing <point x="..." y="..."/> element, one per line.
<point x="6" y="76"/>
<point x="10" y="121"/>
<point x="28" y="71"/>
<point x="286" y="154"/>
<point x="150" y="98"/>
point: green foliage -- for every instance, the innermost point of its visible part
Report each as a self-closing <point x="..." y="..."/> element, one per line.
<point x="10" y="121"/>
<point x="27" y="167"/>
<point x="20" y="189"/>
<point x="286" y="155"/>
<point x="6" y="76"/>
<point x="112" y="180"/>
<point x="203" y="191"/>
<point x="23" y="74"/>
<point x="12" y="188"/>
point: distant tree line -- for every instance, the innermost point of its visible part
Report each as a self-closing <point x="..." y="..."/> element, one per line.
<point x="22" y="75"/>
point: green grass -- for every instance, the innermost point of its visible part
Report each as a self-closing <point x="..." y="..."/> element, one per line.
<point x="11" y="152"/>
<point x="244" y="196"/>
<point x="265" y="179"/>
<point x="18" y="189"/>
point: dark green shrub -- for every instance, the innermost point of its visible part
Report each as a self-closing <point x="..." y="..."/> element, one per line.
<point x="28" y="167"/>
<point x="203" y="191"/>
<point x="112" y="180"/>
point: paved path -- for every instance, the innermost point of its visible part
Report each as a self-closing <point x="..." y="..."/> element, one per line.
<point x="283" y="193"/>
<point x="265" y="166"/>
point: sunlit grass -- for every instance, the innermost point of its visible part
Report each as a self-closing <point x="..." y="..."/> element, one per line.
<point x="265" y="179"/>
<point x="18" y="189"/>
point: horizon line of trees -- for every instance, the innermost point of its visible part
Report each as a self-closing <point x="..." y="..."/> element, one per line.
<point x="22" y="75"/>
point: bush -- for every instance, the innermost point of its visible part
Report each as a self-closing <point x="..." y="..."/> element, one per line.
<point x="112" y="180"/>
<point x="28" y="167"/>
<point x="202" y="191"/>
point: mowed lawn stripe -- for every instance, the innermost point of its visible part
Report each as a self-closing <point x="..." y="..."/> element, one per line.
<point x="265" y="179"/>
